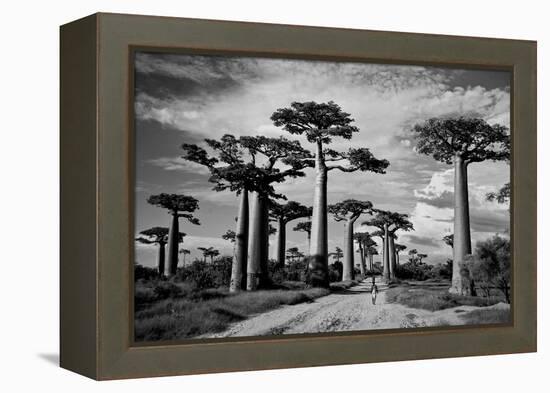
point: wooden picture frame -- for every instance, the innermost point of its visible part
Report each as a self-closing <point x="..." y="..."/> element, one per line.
<point x="96" y="197"/>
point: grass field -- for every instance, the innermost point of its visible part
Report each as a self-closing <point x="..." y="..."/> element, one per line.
<point x="480" y="317"/>
<point x="434" y="296"/>
<point x="176" y="312"/>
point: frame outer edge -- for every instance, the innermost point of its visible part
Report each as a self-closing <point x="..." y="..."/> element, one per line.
<point x="78" y="194"/>
<point x="119" y="359"/>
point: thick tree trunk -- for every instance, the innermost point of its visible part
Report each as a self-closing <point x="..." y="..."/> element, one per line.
<point x="385" y="255"/>
<point x="173" y="243"/>
<point x="161" y="258"/>
<point x="348" y="268"/>
<point x="264" y="251"/>
<point x="281" y="243"/>
<point x="362" y="265"/>
<point x="462" y="244"/>
<point x="238" y="268"/>
<point x="318" y="251"/>
<point x="391" y="252"/>
<point x="371" y="264"/>
<point x="257" y="250"/>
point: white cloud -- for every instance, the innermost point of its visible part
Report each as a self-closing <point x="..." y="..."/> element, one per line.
<point x="178" y="164"/>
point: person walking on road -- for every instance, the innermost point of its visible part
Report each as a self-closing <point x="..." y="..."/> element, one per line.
<point x="374" y="292"/>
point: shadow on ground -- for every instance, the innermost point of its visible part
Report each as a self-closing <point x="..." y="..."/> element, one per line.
<point x="52" y="358"/>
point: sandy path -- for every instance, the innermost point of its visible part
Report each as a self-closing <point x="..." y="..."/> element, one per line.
<point x="349" y="310"/>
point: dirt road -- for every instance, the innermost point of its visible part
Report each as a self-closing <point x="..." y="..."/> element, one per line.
<point x="351" y="309"/>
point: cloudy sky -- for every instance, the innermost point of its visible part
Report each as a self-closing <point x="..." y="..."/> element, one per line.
<point x="184" y="99"/>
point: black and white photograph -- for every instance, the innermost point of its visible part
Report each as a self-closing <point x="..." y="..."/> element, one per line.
<point x="281" y="196"/>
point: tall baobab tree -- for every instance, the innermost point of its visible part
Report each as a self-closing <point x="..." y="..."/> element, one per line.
<point x="184" y="252"/>
<point x="229" y="171"/>
<point x="283" y="214"/>
<point x="371" y="251"/>
<point x="413" y="256"/>
<point x="397" y="222"/>
<point x="179" y="206"/>
<point x="304" y="226"/>
<point x="398" y="249"/>
<point x="235" y="165"/>
<point x="349" y="211"/>
<point x="337" y="254"/>
<point x="205" y="252"/>
<point x="388" y="223"/>
<point x="156" y="235"/>
<point x="321" y="122"/>
<point x="461" y="141"/>
<point x="230" y="236"/>
<point x="365" y="245"/>
<point x="266" y="153"/>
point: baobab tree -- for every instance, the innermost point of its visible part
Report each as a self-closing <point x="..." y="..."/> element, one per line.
<point x="398" y="222"/>
<point x="178" y="206"/>
<point x="321" y="122"/>
<point x="209" y="252"/>
<point x="413" y="256"/>
<point x="371" y="251"/>
<point x="337" y="254"/>
<point x="304" y="226"/>
<point x="229" y="235"/>
<point x="398" y="249"/>
<point x="283" y="214"/>
<point x="461" y="141"/>
<point x="156" y="235"/>
<point x="205" y="252"/>
<point x="270" y="151"/>
<point x="184" y="252"/>
<point x="229" y="171"/>
<point x="235" y="166"/>
<point x="212" y="254"/>
<point x="388" y="224"/>
<point x="293" y="253"/>
<point x="349" y="211"/>
<point x="364" y="243"/>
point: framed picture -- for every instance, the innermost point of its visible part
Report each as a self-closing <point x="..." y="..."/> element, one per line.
<point x="240" y="196"/>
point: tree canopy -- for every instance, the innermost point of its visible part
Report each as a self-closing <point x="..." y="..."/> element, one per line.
<point x="288" y="211"/>
<point x="473" y="139"/>
<point x="501" y="196"/>
<point x="320" y="122"/>
<point x="349" y="209"/>
<point x="177" y="203"/>
<point x="400" y="247"/>
<point x="395" y="221"/>
<point x="303" y="226"/>
<point x="229" y="236"/>
<point x="364" y="238"/>
<point x="448" y="240"/>
<point x="157" y="235"/>
<point x="237" y="163"/>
